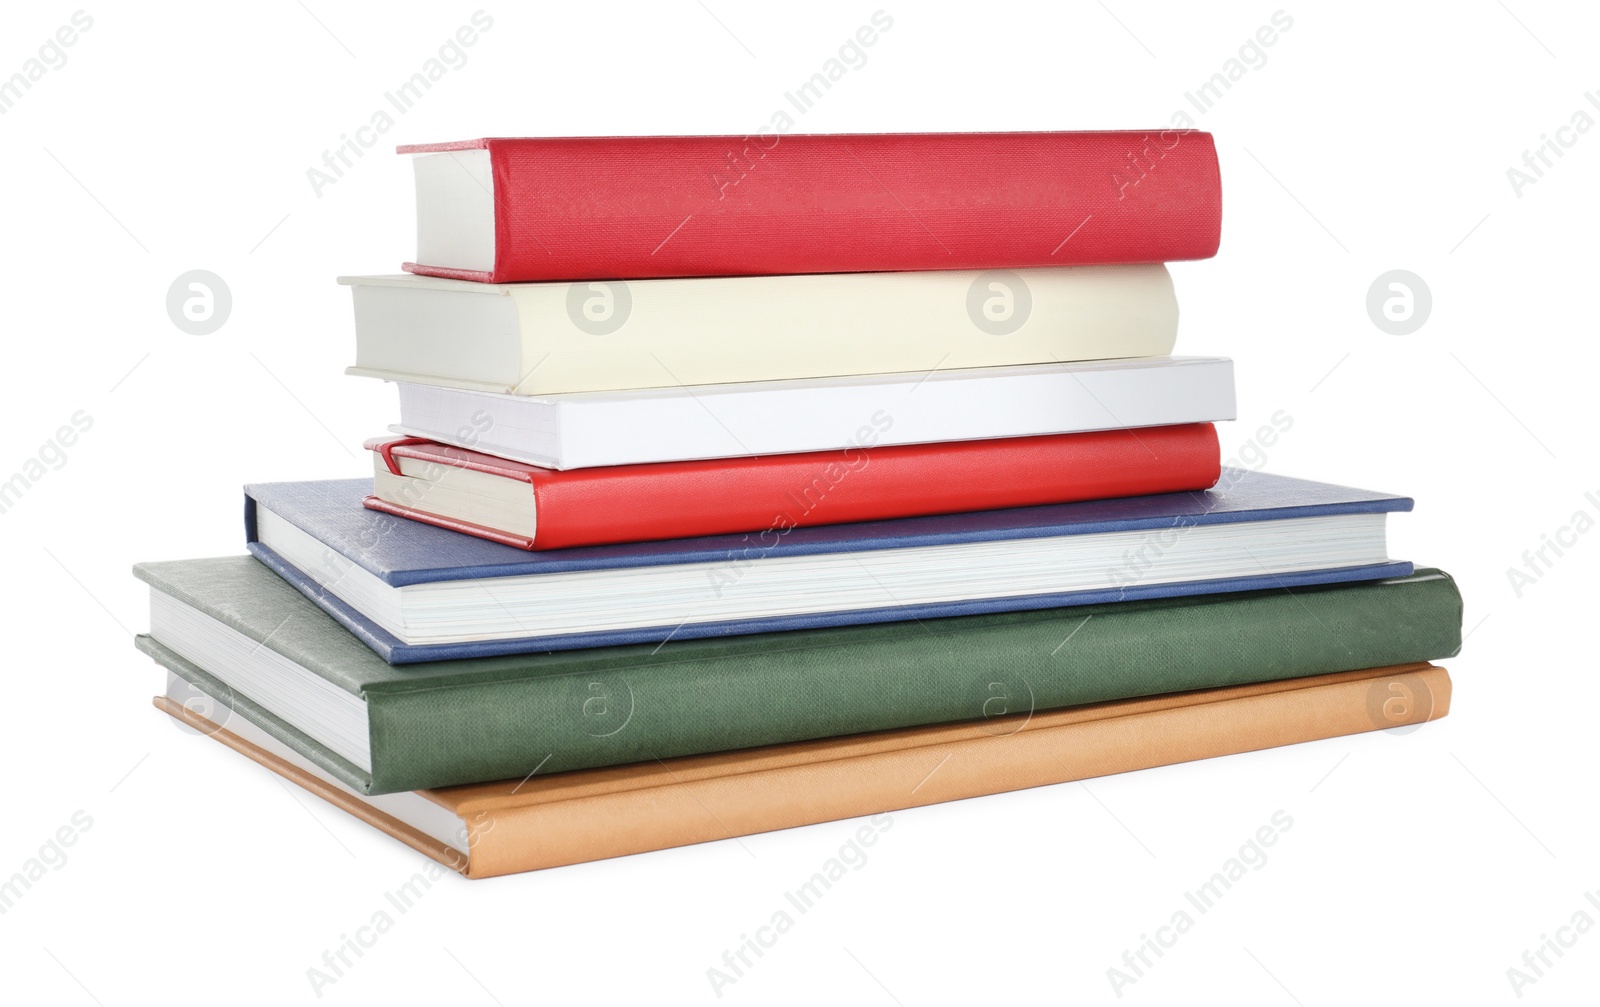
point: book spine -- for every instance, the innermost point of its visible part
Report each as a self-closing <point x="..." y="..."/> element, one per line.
<point x="695" y="811"/>
<point x="639" y="503"/>
<point x="635" y="704"/>
<point x="794" y="417"/>
<point x="605" y="208"/>
<point x="665" y="333"/>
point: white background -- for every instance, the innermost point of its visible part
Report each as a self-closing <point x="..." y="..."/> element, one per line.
<point x="1376" y="136"/>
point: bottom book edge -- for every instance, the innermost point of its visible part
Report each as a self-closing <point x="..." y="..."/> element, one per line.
<point x="510" y="835"/>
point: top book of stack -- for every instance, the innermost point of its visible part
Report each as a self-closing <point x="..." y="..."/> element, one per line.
<point x="601" y="208"/>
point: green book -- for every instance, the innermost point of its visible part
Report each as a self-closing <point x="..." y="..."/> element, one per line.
<point x="233" y="630"/>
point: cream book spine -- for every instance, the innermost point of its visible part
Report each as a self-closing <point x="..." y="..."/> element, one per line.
<point x="556" y="338"/>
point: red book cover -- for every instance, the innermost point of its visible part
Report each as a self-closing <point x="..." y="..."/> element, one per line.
<point x="597" y="208"/>
<point x="637" y="503"/>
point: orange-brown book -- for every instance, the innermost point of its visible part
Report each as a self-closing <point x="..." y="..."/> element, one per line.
<point x="488" y="829"/>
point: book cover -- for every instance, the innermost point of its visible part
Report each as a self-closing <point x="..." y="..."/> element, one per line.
<point x="464" y="721"/>
<point x="553" y="820"/>
<point x="550" y="509"/>
<point x="400" y="553"/>
<point x="575" y="208"/>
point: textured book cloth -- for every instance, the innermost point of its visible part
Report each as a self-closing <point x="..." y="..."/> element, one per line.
<point x="549" y="509"/>
<point x="574" y="208"/>
<point x="550" y="820"/>
<point x="453" y="722"/>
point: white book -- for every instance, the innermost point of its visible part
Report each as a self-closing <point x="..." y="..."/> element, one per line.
<point x="589" y="429"/>
<point x="556" y="338"/>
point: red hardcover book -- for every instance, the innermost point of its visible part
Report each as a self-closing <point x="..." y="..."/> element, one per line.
<point x="597" y="208"/>
<point x="537" y="508"/>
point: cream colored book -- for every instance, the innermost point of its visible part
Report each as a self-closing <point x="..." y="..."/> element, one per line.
<point x="554" y="338"/>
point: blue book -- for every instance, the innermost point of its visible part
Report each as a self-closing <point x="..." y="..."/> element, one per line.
<point x="414" y="592"/>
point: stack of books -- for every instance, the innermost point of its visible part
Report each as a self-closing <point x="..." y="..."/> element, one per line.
<point x="865" y="484"/>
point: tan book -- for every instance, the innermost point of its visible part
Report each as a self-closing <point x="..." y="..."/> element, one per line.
<point x="489" y="829"/>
